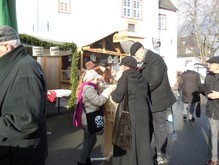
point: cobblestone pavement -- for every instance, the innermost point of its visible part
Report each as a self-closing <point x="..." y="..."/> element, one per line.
<point x="187" y="144"/>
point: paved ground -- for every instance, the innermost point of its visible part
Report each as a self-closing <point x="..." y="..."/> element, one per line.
<point x="187" y="146"/>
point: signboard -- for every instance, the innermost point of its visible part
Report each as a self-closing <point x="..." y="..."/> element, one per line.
<point x="54" y="50"/>
<point x="37" y="51"/>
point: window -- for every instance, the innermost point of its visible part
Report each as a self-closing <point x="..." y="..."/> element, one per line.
<point x="65" y="6"/>
<point x="162" y="22"/>
<point x="132" y="9"/>
<point x="131" y="27"/>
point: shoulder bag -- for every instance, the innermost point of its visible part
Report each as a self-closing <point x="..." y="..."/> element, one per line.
<point x="95" y="120"/>
<point x="121" y="135"/>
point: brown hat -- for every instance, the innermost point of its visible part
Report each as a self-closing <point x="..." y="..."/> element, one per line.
<point x="7" y="33"/>
<point x="134" y="48"/>
<point x="89" y="65"/>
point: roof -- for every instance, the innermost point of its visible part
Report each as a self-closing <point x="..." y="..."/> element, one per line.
<point x="167" y="5"/>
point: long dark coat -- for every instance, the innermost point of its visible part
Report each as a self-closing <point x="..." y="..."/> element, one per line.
<point x="190" y="85"/>
<point x="154" y="70"/>
<point x="140" y="152"/>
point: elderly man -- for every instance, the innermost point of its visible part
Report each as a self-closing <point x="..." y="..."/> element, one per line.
<point x="154" y="70"/>
<point x="212" y="108"/>
<point x="23" y="96"/>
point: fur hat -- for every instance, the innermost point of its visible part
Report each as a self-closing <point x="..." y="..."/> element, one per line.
<point x="129" y="61"/>
<point x="135" y="47"/>
<point x="90" y="75"/>
<point x="89" y="65"/>
<point x="7" y="33"/>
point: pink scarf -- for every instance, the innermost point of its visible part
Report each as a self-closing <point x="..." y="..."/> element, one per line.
<point x="78" y="110"/>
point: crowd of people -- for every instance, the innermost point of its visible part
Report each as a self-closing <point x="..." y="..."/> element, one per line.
<point x="23" y="100"/>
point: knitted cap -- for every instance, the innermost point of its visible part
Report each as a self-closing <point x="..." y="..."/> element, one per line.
<point x="7" y="33"/>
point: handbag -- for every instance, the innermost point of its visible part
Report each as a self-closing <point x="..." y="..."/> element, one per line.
<point x="121" y="135"/>
<point x="198" y="110"/>
<point x="95" y="120"/>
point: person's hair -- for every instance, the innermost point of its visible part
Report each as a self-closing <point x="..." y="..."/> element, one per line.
<point x="80" y="81"/>
<point x="13" y="43"/>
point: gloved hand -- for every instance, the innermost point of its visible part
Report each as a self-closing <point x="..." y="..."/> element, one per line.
<point x="106" y="92"/>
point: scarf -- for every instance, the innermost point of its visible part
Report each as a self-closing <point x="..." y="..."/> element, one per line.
<point x="79" y="109"/>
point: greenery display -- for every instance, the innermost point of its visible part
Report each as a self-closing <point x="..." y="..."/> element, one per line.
<point x="73" y="80"/>
<point x="30" y="40"/>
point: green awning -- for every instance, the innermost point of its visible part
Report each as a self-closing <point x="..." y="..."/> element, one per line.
<point x="8" y="13"/>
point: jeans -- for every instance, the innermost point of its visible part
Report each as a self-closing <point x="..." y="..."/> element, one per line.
<point x="213" y="139"/>
<point x="189" y="109"/>
<point x="89" y="142"/>
<point x="160" y="131"/>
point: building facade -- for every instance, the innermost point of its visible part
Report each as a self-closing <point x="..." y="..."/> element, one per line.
<point x="154" y="23"/>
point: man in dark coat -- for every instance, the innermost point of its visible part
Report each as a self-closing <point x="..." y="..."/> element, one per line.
<point x="190" y="86"/>
<point x="162" y="97"/>
<point x="140" y="151"/>
<point x="23" y="97"/>
<point x="212" y="108"/>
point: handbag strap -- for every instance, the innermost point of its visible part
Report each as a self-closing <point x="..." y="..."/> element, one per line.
<point x="83" y="108"/>
<point x="126" y="95"/>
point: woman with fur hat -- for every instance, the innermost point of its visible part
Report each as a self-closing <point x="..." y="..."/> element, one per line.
<point x="139" y="152"/>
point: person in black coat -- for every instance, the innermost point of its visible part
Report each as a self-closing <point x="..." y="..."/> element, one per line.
<point x="23" y="98"/>
<point x="190" y="86"/>
<point x="154" y="69"/>
<point x="211" y="85"/>
<point x="140" y="151"/>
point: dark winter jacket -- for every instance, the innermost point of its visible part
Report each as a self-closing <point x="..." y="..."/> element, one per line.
<point x="140" y="152"/>
<point x="212" y="107"/>
<point x="154" y="70"/>
<point x="23" y="99"/>
<point x="190" y="86"/>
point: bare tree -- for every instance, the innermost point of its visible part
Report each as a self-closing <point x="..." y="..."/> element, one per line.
<point x="199" y="23"/>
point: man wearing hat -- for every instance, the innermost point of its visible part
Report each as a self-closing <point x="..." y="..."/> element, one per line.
<point x="140" y="150"/>
<point x="162" y="97"/>
<point x="212" y="109"/>
<point x="23" y="97"/>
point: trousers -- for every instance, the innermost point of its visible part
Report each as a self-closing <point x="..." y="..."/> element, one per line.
<point x="160" y="131"/>
<point x="189" y="109"/>
<point x="213" y="139"/>
<point x="89" y="142"/>
<point x="21" y="156"/>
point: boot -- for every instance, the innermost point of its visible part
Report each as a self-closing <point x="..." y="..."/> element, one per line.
<point x="81" y="163"/>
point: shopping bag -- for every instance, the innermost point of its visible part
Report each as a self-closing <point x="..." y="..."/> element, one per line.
<point x="198" y="110"/>
<point x="95" y="121"/>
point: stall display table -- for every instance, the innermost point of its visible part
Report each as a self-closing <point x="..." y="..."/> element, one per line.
<point x="59" y="94"/>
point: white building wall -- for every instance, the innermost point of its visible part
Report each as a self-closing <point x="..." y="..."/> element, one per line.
<point x="89" y="20"/>
<point x="168" y="48"/>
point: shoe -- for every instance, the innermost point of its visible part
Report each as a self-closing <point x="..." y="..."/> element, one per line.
<point x="184" y="117"/>
<point x="161" y="159"/>
<point x="211" y="162"/>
